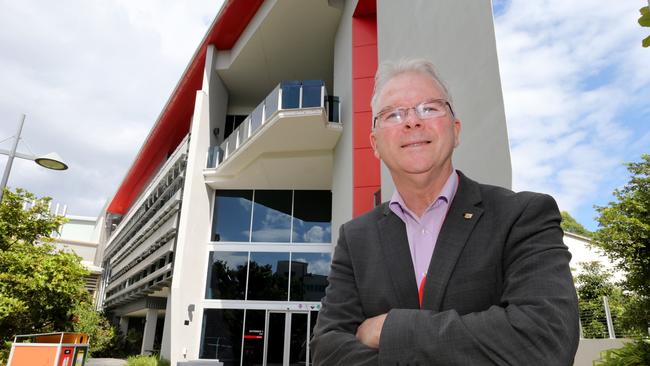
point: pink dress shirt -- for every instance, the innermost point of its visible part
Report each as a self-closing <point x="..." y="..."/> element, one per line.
<point x="423" y="231"/>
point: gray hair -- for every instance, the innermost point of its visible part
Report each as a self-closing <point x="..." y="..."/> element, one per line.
<point x="389" y="69"/>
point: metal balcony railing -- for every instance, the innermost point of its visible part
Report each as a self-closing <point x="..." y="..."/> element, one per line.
<point x="288" y="95"/>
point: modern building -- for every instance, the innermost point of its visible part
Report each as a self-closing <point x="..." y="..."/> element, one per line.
<point x="80" y="235"/>
<point x="219" y="238"/>
<point x="582" y="252"/>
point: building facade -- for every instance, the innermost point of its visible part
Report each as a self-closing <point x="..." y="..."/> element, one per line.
<point x="80" y="235"/>
<point x="218" y="241"/>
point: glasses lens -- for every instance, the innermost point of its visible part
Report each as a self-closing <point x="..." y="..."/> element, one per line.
<point x="392" y="117"/>
<point x="431" y="109"/>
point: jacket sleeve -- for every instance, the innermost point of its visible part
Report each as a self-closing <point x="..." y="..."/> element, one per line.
<point x="334" y="341"/>
<point x="535" y="322"/>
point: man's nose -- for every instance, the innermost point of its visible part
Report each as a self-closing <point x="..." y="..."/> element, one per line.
<point x="411" y="119"/>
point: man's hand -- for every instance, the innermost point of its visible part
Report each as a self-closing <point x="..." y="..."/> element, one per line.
<point x="370" y="330"/>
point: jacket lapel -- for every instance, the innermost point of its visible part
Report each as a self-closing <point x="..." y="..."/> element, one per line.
<point x="397" y="256"/>
<point x="461" y="218"/>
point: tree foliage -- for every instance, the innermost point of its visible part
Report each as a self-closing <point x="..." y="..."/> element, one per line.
<point x="41" y="288"/>
<point x="592" y="283"/>
<point x="624" y="235"/>
<point x="636" y="352"/>
<point x="85" y="319"/>
<point x="26" y="219"/>
<point x="569" y="224"/>
<point x="644" y="21"/>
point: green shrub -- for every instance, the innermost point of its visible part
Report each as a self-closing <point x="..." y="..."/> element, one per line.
<point x="103" y="335"/>
<point x="633" y="353"/>
<point x="146" y="361"/>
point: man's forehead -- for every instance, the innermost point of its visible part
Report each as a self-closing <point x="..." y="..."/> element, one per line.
<point x="409" y="85"/>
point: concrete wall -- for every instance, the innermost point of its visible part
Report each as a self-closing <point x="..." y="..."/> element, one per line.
<point x="342" y="173"/>
<point x="218" y="99"/>
<point x="188" y="285"/>
<point x="589" y="349"/>
<point x="78" y="229"/>
<point x="458" y="37"/>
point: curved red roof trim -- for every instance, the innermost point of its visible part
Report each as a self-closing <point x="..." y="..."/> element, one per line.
<point x="174" y="121"/>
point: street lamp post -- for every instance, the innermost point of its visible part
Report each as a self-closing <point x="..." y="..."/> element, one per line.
<point x="50" y="161"/>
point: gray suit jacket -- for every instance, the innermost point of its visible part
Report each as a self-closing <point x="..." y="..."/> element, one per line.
<point x="498" y="289"/>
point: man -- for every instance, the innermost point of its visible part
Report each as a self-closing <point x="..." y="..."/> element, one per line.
<point x="450" y="271"/>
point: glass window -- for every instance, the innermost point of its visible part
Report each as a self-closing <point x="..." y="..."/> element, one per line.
<point x="312" y="221"/>
<point x="221" y="335"/>
<point x="272" y="216"/>
<point x="254" y="337"/>
<point x="232" y="215"/>
<point x="226" y="275"/>
<point x="268" y="278"/>
<point x="309" y="275"/>
<point x="290" y="94"/>
<point x="311" y="93"/>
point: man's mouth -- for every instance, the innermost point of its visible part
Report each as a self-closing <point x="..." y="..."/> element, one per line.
<point x="416" y="143"/>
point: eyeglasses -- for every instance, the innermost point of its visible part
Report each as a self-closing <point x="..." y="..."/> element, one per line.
<point x="393" y="116"/>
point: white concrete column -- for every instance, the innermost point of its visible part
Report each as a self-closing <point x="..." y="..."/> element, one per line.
<point x="149" y="331"/>
<point x="165" y="346"/>
<point x="124" y="324"/>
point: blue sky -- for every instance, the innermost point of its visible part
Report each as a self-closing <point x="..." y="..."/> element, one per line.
<point x="576" y="86"/>
<point x="92" y="78"/>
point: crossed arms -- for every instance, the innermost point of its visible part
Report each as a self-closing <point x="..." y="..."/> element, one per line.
<point x="509" y="301"/>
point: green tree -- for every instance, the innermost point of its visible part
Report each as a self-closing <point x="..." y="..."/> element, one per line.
<point x="624" y="236"/>
<point x="42" y="288"/>
<point x="592" y="283"/>
<point x="569" y="224"/>
<point x="644" y="21"/>
<point x="85" y="319"/>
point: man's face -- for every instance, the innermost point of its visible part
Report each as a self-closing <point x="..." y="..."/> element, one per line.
<point x="416" y="146"/>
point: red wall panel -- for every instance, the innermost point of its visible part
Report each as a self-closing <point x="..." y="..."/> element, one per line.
<point x="366" y="176"/>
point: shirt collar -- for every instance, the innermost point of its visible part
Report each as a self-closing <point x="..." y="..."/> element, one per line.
<point x="447" y="194"/>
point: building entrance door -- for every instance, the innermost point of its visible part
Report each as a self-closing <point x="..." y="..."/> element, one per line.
<point x="286" y="343"/>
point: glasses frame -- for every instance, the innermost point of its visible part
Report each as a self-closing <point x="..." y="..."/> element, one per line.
<point x="406" y="109"/>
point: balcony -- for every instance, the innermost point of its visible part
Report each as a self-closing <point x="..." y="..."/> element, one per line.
<point x="287" y="142"/>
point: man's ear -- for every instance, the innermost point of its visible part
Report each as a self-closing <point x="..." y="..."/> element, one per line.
<point x="373" y="143"/>
<point x="457" y="128"/>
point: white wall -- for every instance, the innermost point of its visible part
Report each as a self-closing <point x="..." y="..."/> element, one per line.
<point x="188" y="284"/>
<point x="582" y="251"/>
<point x="78" y="228"/>
<point x="342" y="172"/>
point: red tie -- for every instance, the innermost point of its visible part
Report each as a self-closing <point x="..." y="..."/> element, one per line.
<point x="421" y="290"/>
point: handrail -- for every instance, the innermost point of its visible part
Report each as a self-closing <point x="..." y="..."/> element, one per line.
<point x="293" y="94"/>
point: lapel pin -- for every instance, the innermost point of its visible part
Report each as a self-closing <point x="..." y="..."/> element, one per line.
<point x="468" y="215"/>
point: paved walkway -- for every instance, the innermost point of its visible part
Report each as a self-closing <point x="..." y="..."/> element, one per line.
<point x="105" y="362"/>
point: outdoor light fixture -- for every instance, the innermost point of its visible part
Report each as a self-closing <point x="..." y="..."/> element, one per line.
<point x="51" y="161"/>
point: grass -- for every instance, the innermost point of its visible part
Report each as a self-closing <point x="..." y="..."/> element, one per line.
<point x="146" y="361"/>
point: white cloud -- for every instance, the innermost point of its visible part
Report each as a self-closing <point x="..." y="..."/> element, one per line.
<point x="92" y="78"/>
<point x="570" y="71"/>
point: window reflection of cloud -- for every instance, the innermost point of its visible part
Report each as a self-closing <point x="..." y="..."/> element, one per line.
<point x="270" y="235"/>
<point x="316" y="267"/>
<point x="317" y="234"/>
<point x="276" y="219"/>
<point x="273" y="227"/>
<point x="244" y="203"/>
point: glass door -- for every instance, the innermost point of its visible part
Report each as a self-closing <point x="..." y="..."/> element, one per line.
<point x="297" y="342"/>
<point x="286" y="343"/>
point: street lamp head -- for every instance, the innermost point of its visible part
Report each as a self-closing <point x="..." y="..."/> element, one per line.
<point x="51" y="161"/>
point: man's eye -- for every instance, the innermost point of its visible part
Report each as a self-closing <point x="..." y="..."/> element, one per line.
<point x="430" y="108"/>
<point x="394" y="116"/>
